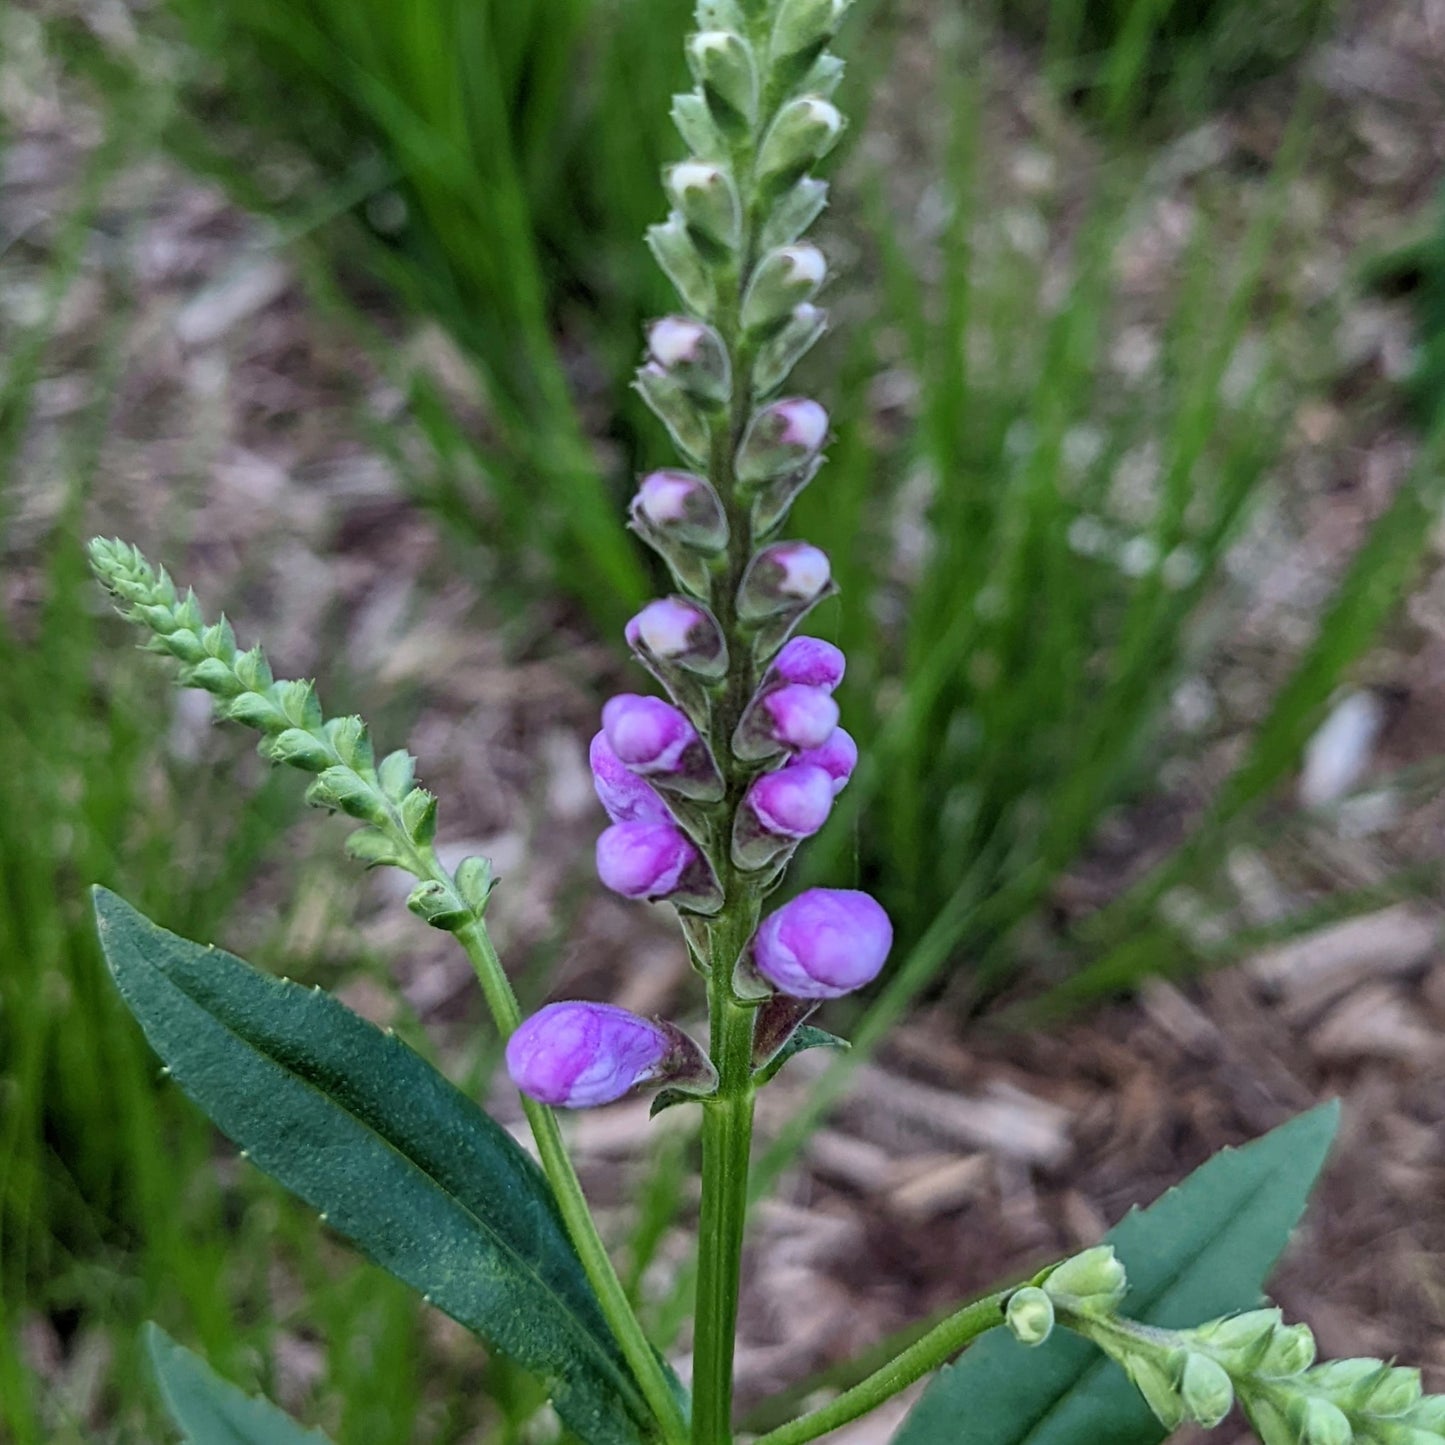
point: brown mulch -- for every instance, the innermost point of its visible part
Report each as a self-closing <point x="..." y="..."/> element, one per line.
<point x="231" y="448"/>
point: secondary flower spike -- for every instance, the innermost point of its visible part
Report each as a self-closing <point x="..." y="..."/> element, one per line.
<point x="824" y="943"/>
<point x="578" y="1055"/>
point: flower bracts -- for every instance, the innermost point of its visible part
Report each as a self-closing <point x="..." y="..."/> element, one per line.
<point x="711" y="791"/>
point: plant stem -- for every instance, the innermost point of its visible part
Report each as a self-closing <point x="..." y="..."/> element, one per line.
<point x="727" y="1129"/>
<point x="557" y="1165"/>
<point x="937" y="1346"/>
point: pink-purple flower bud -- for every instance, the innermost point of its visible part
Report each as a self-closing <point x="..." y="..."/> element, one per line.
<point x="578" y="1055"/>
<point x="784" y="577"/>
<point x="626" y="797"/>
<point x="837" y="757"/>
<point x="809" y="661"/>
<point x="800" y="717"/>
<point x="793" y="802"/>
<point x="674" y="631"/>
<point x="781" y="438"/>
<point x="824" y="943"/>
<point x="694" y="354"/>
<point x="645" y="860"/>
<point x="650" y="736"/>
<point x="681" y="506"/>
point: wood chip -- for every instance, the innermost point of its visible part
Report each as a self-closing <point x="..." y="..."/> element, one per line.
<point x="943" y="1189"/>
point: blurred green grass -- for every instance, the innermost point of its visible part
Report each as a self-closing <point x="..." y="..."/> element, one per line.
<point x="492" y="167"/>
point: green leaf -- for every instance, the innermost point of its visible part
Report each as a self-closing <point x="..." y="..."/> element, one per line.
<point x="396" y="1159"/>
<point x="212" y="1411"/>
<point x="1204" y="1249"/>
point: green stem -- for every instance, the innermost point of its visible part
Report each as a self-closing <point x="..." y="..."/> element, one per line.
<point x="557" y="1165"/>
<point x="939" y="1345"/>
<point x="727" y="1129"/>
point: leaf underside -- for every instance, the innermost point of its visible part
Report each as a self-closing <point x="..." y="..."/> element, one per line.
<point x="391" y="1154"/>
<point x="1202" y="1250"/>
<point x="212" y="1411"/>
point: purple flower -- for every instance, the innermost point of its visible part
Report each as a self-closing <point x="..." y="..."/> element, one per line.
<point x="649" y="736"/>
<point x="799" y="717"/>
<point x="626" y="797"/>
<point x="672" y="629"/>
<point x="794" y="802"/>
<point x="786" y="577"/>
<point x="577" y="1055"/>
<point x="645" y="860"/>
<point x="826" y="942"/>
<point x="809" y="661"/>
<point x="837" y="757"/>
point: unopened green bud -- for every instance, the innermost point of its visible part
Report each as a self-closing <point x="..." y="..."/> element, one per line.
<point x="1429" y="1414"/>
<point x="255" y="710"/>
<point x="1291" y="1351"/>
<point x="419" y="816"/>
<point x="824" y="75"/>
<point x="707" y="199"/>
<point x="1155" y="1383"/>
<point x="1396" y="1393"/>
<point x="1320" y="1423"/>
<point x="804" y="27"/>
<point x="1241" y="1336"/>
<point x="694" y="354"/>
<point x="1206" y="1390"/>
<point x="1030" y="1315"/>
<point x="348" y="792"/>
<point x="299" y="749"/>
<point x="803" y="132"/>
<point x="1348" y="1382"/>
<point x="397" y="774"/>
<point x="668" y="397"/>
<point x="439" y="905"/>
<point x="475" y="881"/>
<point x="778" y="357"/>
<point x="676" y="254"/>
<point x="698" y="127"/>
<point x="349" y="736"/>
<point x="215" y="676"/>
<point x="1094" y="1280"/>
<point x="793" y="212"/>
<point x="724" y="66"/>
<point x="784" y="279"/>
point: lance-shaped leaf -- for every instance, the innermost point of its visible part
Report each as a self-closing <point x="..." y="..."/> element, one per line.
<point x="1204" y="1249"/>
<point x="212" y="1411"/>
<point x="395" y="1158"/>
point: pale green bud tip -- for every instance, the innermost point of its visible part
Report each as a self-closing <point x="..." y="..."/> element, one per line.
<point x="1030" y="1315"/>
<point x="723" y="63"/>
<point x="1206" y="1389"/>
<point x="1290" y="1352"/>
<point x="1321" y="1423"/>
<point x="1094" y="1279"/>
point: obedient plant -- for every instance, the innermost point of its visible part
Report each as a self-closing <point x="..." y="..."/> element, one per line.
<point x="709" y="792"/>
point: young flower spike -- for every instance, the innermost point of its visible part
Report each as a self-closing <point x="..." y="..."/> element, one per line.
<point x="578" y="1055"/>
<point x="626" y="797"/>
<point x="825" y="943"/>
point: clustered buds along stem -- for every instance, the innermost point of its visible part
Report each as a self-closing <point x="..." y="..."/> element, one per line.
<point x="1253" y="1359"/>
<point x="711" y="791"/>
